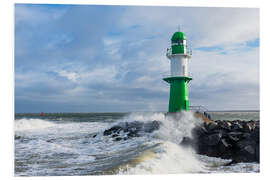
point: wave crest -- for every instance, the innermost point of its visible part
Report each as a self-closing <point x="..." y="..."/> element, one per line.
<point x="32" y="124"/>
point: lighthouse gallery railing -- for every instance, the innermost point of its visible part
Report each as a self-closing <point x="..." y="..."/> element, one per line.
<point x="198" y="108"/>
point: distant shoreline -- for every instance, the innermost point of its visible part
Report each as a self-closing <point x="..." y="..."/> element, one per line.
<point x="234" y="111"/>
<point x="129" y="112"/>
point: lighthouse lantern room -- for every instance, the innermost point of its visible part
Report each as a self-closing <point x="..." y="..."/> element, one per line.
<point x="179" y="54"/>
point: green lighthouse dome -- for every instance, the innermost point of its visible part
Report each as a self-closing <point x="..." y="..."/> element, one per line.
<point x="178" y="43"/>
<point x="178" y="36"/>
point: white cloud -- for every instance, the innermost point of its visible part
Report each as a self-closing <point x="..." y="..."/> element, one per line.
<point x="106" y="74"/>
<point x="78" y="74"/>
<point x="240" y="67"/>
<point x="222" y="26"/>
<point x="112" y="46"/>
<point x="72" y="76"/>
<point x="59" y="40"/>
<point x="144" y="79"/>
<point x="225" y="81"/>
<point x="204" y="26"/>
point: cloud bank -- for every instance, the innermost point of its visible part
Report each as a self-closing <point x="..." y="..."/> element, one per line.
<point x="86" y="58"/>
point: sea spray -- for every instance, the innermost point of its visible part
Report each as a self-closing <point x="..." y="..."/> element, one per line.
<point x="169" y="156"/>
<point x="174" y="128"/>
<point x="144" y="117"/>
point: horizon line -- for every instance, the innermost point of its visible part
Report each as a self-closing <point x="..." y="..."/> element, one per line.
<point x="136" y="111"/>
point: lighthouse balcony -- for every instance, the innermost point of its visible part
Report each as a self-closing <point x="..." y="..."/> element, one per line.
<point x="169" y="53"/>
<point x="177" y="78"/>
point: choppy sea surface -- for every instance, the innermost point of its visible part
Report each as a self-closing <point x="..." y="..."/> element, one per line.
<point x="73" y="144"/>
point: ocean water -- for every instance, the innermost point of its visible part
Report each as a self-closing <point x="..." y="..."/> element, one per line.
<point x="73" y="144"/>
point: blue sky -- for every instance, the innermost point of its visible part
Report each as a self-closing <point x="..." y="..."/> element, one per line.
<point x="86" y="58"/>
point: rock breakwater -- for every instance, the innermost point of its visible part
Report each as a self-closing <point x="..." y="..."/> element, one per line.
<point x="237" y="140"/>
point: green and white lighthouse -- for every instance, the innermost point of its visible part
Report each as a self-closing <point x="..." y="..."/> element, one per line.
<point x="179" y="55"/>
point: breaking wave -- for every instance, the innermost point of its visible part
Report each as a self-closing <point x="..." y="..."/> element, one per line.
<point x="168" y="156"/>
<point x="32" y="124"/>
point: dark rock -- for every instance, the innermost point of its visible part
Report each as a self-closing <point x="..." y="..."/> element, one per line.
<point x="222" y="132"/>
<point x="243" y="143"/>
<point x="252" y="125"/>
<point x="225" y="143"/>
<point x="238" y="134"/>
<point x="132" y="129"/>
<point x="50" y="140"/>
<point x="246" y="128"/>
<point x="255" y="134"/>
<point x="257" y="123"/>
<point x="246" y="151"/>
<point x="133" y="134"/>
<point x="236" y="140"/>
<point x="22" y="138"/>
<point x="112" y="130"/>
<point x="236" y="126"/>
<point x="115" y="135"/>
<point x="245" y="154"/>
<point x="118" y="139"/>
<point x="212" y="139"/>
<point x="211" y="126"/>
<point x="151" y="126"/>
<point x="133" y="126"/>
<point x="199" y="131"/>
<point x="246" y="135"/>
<point x="225" y="149"/>
<point x="257" y="153"/>
<point x="224" y="125"/>
<point x="17" y="137"/>
<point x="249" y="149"/>
<point x="205" y="150"/>
<point x="235" y="136"/>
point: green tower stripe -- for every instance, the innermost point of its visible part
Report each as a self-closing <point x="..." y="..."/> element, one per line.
<point x="178" y="93"/>
<point x="178" y="49"/>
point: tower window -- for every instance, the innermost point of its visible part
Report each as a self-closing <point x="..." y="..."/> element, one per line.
<point x="178" y="42"/>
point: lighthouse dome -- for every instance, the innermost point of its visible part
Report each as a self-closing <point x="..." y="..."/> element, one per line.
<point x="178" y="36"/>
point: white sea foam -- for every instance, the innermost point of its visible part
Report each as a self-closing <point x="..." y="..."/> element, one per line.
<point x="45" y="126"/>
<point x="144" y="117"/>
<point x="169" y="157"/>
<point x="174" y="128"/>
<point x="32" y="124"/>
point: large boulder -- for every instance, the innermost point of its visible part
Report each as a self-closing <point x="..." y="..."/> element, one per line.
<point x="225" y="125"/>
<point x="131" y="129"/>
<point x="245" y="152"/>
<point x="114" y="129"/>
